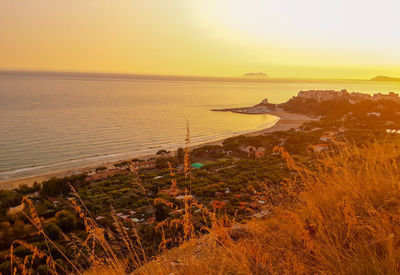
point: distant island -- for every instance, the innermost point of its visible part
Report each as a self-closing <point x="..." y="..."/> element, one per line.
<point x="385" y="78"/>
<point x="255" y="75"/>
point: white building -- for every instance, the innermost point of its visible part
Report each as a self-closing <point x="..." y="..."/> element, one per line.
<point x="374" y="114"/>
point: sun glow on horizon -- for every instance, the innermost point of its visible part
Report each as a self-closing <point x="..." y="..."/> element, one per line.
<point x="341" y="28"/>
<point x="310" y="38"/>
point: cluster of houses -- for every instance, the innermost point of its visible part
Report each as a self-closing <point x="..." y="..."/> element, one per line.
<point x="325" y="95"/>
<point x="392" y="131"/>
<point x="132" y="216"/>
<point x="256" y="207"/>
<point x="93" y="176"/>
<point x="318" y="147"/>
<point x="252" y="150"/>
<point x="328" y="136"/>
<point x="145" y="164"/>
<point x="134" y="165"/>
<point x="373" y="114"/>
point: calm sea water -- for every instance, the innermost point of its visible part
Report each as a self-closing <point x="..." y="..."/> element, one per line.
<point x="49" y="123"/>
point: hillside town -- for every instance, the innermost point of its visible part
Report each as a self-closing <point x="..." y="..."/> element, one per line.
<point x="354" y="97"/>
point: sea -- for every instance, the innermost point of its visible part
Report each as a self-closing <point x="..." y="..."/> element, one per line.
<point x="51" y="122"/>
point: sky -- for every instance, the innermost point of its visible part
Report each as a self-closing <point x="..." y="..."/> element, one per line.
<point x="227" y="38"/>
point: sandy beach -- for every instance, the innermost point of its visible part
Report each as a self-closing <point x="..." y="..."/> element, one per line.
<point x="286" y="122"/>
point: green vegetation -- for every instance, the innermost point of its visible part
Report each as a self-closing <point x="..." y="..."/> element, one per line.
<point x="232" y="183"/>
<point x="9" y="199"/>
<point x="56" y="187"/>
<point x="339" y="219"/>
<point x="338" y="108"/>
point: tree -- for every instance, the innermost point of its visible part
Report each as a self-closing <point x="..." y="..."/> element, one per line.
<point x="9" y="199"/>
<point x="61" y="266"/>
<point x="5" y="268"/>
<point x="160" y="213"/>
<point x="155" y="188"/>
<point x="52" y="230"/>
<point x="18" y="229"/>
<point x="180" y="154"/>
<point x="6" y="233"/>
<point x="163" y="162"/>
<point x="163" y="152"/>
<point x="5" y="226"/>
<point x="65" y="220"/>
<point x="42" y="269"/>
<point x="21" y="252"/>
<point x="25" y="189"/>
<point x="55" y="186"/>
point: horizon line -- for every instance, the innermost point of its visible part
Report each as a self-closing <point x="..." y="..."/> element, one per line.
<point x="167" y="77"/>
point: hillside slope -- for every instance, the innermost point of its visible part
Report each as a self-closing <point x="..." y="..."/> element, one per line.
<point x="342" y="218"/>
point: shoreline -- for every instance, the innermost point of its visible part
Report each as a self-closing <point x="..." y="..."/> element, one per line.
<point x="285" y="122"/>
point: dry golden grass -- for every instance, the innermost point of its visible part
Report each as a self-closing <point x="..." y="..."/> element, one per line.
<point x="341" y="218"/>
<point x="117" y="253"/>
<point x="345" y="220"/>
<point x="24" y="266"/>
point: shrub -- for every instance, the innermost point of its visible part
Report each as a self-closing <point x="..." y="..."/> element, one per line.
<point x="42" y="269"/>
<point x="21" y="251"/>
<point x="56" y="187"/>
<point x="5" y="268"/>
<point x="65" y="220"/>
<point x="52" y="230"/>
<point x="9" y="199"/>
<point x="25" y="189"/>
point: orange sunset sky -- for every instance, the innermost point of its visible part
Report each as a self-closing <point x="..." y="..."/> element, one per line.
<point x="285" y="38"/>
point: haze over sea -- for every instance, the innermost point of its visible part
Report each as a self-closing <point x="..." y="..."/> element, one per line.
<point x="51" y="122"/>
